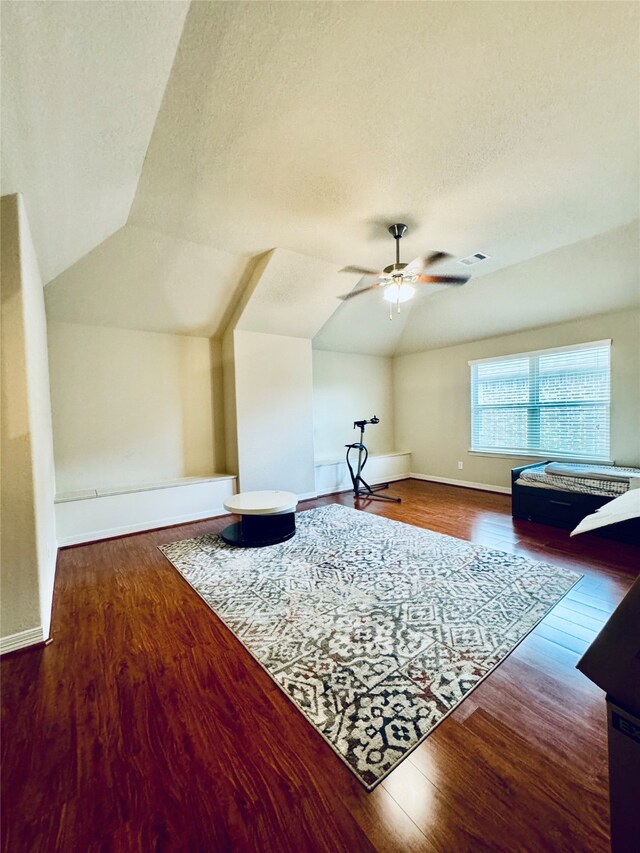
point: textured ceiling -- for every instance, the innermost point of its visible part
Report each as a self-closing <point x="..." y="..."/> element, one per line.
<point x="81" y="87"/>
<point x="594" y="276"/>
<point x="591" y="277"/>
<point x="140" y="279"/>
<point x="507" y="128"/>
<point x="292" y="295"/>
<point x="510" y="128"/>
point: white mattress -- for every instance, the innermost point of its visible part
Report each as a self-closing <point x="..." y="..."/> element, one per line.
<point x="538" y="477"/>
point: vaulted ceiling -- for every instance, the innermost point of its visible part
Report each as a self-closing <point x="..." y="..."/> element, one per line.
<point x="160" y="151"/>
<point x="81" y="88"/>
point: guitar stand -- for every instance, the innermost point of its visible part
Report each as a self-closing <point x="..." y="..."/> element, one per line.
<point x="361" y="489"/>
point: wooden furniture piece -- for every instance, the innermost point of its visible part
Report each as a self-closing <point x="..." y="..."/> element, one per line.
<point x="612" y="661"/>
<point x="267" y="517"/>
<point x="564" y="509"/>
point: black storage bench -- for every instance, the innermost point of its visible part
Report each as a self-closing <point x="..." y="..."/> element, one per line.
<point x="565" y="509"/>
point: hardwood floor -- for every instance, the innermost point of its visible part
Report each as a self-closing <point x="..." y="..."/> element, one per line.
<point x="146" y="726"/>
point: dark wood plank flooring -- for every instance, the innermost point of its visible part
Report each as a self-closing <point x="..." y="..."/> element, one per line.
<point x="145" y="725"/>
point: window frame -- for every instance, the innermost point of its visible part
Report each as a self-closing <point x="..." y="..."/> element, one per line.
<point x="533" y="405"/>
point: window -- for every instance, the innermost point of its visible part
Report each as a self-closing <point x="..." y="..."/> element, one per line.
<point x="554" y="402"/>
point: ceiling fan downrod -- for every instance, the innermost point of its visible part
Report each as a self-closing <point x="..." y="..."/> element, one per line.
<point x="397" y="231"/>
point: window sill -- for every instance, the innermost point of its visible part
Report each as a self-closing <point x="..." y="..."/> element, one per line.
<point x="505" y="454"/>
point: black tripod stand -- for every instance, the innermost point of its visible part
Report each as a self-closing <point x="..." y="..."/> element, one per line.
<point x="362" y="489"/>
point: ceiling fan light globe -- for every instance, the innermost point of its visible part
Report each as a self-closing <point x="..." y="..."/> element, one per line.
<point x="398" y="292"/>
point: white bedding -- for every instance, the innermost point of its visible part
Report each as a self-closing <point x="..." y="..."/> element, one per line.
<point x="535" y="484"/>
<point x="622" y="508"/>
<point x="585" y="485"/>
<point x="592" y="472"/>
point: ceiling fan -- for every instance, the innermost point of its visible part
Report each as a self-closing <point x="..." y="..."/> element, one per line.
<point x="398" y="280"/>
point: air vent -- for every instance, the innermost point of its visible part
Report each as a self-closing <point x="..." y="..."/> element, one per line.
<point x="473" y="259"/>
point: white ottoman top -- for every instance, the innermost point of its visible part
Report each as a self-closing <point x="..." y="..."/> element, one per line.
<point x="262" y="503"/>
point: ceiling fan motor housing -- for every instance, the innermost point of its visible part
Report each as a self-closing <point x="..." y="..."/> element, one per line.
<point x="395" y="268"/>
<point x="398" y="230"/>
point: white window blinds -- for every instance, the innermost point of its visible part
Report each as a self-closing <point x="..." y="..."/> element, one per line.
<point x="547" y="403"/>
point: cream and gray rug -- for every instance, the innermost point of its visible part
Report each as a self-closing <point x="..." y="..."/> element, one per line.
<point x="375" y="630"/>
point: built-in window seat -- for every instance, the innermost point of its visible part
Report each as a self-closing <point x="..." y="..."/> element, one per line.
<point x="332" y="474"/>
<point x="101" y="513"/>
<point x="90" y="514"/>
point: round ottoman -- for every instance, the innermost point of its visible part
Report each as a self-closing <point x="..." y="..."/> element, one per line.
<point x="266" y="518"/>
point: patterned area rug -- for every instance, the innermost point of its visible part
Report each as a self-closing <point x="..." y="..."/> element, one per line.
<point x="376" y="630"/>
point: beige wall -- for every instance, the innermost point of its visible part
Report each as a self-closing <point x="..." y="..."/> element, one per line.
<point x="274" y="408"/>
<point x="131" y="407"/>
<point x="346" y="388"/>
<point x="28" y="485"/>
<point x="432" y="397"/>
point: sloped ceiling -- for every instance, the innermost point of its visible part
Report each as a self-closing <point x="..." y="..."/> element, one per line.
<point x="141" y="279"/>
<point x="594" y="276"/>
<point x="292" y="295"/>
<point x="510" y="128"/>
<point x="81" y="87"/>
<point x="507" y="128"/>
<point x="590" y="277"/>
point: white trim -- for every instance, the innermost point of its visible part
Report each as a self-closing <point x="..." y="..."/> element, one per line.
<point x="336" y="460"/>
<point x="546" y="351"/>
<point x="113" y="532"/>
<point x="505" y="454"/>
<point x="88" y="494"/>
<point x="552" y="457"/>
<point x="81" y="495"/>
<point x="483" y="487"/>
<point x="21" y="640"/>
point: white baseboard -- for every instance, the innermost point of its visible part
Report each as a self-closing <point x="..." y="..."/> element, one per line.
<point x="483" y="487"/>
<point x="21" y="640"/>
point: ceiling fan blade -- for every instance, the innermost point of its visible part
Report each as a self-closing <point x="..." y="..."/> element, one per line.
<point x="420" y="264"/>
<point x="443" y="279"/>
<point x="358" y="292"/>
<point x="436" y="258"/>
<point x="361" y="270"/>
